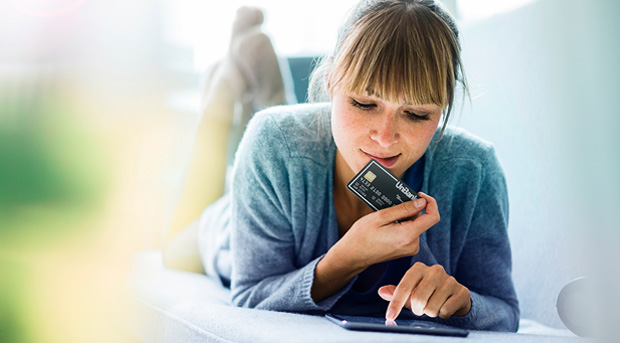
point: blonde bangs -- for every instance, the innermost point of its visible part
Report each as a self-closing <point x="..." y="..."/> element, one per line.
<point x="399" y="57"/>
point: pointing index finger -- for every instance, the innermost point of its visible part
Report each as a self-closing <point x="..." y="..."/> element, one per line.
<point x="402" y="293"/>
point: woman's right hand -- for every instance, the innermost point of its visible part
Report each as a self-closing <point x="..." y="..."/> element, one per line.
<point x="374" y="238"/>
<point x="378" y="237"/>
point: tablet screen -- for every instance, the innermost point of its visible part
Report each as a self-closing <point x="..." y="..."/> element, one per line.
<point x="360" y="323"/>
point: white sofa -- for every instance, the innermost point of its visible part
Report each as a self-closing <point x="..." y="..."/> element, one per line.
<point x="175" y="306"/>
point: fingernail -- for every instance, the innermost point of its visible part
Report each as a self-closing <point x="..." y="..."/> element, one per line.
<point x="391" y="314"/>
<point x="419" y="202"/>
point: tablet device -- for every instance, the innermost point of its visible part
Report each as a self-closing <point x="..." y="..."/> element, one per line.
<point x="359" y="323"/>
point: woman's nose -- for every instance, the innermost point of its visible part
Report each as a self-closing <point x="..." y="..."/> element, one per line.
<point x="385" y="130"/>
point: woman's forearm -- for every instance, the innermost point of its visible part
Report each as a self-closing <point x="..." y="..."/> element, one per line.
<point x="332" y="273"/>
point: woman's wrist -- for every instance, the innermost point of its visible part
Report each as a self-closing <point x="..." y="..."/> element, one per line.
<point x="343" y="262"/>
<point x="332" y="273"/>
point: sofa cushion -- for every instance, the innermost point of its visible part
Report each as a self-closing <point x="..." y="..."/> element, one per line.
<point x="176" y="306"/>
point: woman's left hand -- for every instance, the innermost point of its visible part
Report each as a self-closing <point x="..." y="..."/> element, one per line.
<point x="427" y="290"/>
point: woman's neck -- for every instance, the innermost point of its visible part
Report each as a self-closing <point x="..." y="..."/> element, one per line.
<point x="342" y="172"/>
<point x="349" y="208"/>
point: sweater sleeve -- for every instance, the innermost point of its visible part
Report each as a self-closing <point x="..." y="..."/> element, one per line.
<point x="485" y="263"/>
<point x="266" y="270"/>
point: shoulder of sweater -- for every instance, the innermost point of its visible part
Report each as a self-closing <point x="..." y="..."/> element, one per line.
<point x="303" y="128"/>
<point x="458" y="143"/>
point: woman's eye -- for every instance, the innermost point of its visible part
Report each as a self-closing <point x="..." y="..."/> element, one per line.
<point x="417" y="117"/>
<point x="363" y="106"/>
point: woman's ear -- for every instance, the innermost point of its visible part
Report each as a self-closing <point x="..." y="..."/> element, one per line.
<point x="328" y="84"/>
<point x="328" y="79"/>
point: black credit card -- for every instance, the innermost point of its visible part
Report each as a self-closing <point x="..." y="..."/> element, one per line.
<point x="379" y="188"/>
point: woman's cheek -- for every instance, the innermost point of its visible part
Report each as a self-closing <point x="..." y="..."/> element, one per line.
<point x="426" y="135"/>
<point x="345" y="128"/>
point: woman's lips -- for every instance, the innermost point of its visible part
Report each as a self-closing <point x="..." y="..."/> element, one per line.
<point x="386" y="161"/>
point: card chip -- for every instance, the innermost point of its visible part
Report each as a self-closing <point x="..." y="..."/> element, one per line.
<point x="370" y="176"/>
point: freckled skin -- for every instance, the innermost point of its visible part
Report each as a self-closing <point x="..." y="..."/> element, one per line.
<point x="380" y="128"/>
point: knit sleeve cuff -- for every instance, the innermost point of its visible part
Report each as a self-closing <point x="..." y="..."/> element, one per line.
<point x="308" y="280"/>
<point x="487" y="313"/>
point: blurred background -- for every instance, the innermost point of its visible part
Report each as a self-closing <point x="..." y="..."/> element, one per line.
<point x="99" y="102"/>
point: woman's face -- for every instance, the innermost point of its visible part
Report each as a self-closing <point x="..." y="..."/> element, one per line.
<point x="365" y="126"/>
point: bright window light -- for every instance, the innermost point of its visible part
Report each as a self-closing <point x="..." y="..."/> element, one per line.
<point x="473" y="10"/>
<point x="296" y="27"/>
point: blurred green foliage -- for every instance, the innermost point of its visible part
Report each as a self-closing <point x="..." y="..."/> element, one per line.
<point x="52" y="179"/>
<point x="52" y="172"/>
<point x="28" y="174"/>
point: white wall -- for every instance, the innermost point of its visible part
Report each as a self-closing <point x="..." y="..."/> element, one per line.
<point x="547" y="80"/>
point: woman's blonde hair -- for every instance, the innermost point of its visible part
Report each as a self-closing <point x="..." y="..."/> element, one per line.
<point x="397" y="50"/>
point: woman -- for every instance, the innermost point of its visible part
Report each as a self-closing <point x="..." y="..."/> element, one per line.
<point x="299" y="241"/>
